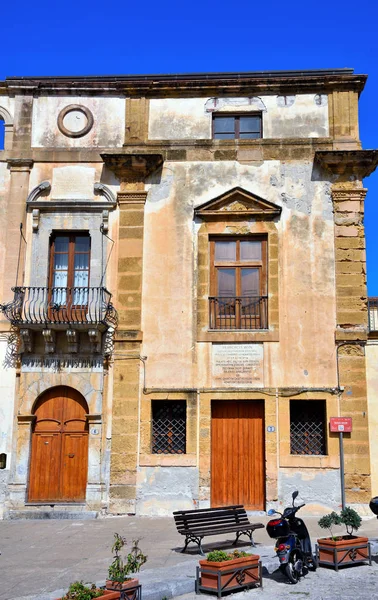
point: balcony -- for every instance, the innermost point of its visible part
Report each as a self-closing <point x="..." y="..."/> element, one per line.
<point x="373" y="315"/>
<point x="238" y="312"/>
<point x="60" y="308"/>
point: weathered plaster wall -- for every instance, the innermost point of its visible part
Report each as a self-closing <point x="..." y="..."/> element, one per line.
<point x="108" y="128"/>
<point x="301" y="116"/>
<point x="304" y="355"/>
<point x="4" y="191"/>
<point x="371" y="350"/>
<point x="161" y="490"/>
<point x="7" y="385"/>
<point x="318" y="488"/>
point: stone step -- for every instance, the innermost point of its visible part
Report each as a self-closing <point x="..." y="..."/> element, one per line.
<point x="52" y="514"/>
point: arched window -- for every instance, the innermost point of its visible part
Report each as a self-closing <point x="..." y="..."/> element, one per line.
<point x="2" y="134"/>
<point x="6" y="129"/>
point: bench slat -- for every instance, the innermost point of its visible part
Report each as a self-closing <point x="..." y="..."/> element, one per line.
<point x="208" y="510"/>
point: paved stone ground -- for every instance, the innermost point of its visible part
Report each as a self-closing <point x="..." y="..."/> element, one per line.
<point x="41" y="558"/>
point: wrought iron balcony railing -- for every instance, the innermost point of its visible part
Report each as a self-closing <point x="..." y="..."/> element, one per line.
<point x="373" y="314"/>
<point x="59" y="306"/>
<point x="238" y="312"/>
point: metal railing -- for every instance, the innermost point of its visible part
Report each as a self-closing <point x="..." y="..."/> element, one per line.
<point x="373" y="313"/>
<point x="238" y="312"/>
<point x="58" y="305"/>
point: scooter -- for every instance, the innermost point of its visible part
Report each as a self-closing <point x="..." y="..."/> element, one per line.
<point x="374" y="505"/>
<point x="293" y="543"/>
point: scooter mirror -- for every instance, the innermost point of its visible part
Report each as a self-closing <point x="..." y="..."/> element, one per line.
<point x="294" y="495"/>
<point x="271" y="512"/>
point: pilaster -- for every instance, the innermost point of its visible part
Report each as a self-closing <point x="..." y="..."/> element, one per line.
<point x="351" y="335"/>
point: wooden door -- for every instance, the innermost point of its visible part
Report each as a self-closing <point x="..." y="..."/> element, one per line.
<point x="59" y="456"/>
<point x="238" y="454"/>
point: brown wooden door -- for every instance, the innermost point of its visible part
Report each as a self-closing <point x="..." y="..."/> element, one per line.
<point x="237" y="454"/>
<point x="59" y="456"/>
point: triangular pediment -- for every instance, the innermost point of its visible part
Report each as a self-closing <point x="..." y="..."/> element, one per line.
<point x="237" y="203"/>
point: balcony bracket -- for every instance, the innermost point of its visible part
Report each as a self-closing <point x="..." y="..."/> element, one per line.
<point x="72" y="340"/>
<point x="95" y="340"/>
<point x="26" y="341"/>
<point x="50" y="338"/>
<point x="35" y="217"/>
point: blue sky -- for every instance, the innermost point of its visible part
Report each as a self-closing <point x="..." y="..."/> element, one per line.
<point x="122" y="37"/>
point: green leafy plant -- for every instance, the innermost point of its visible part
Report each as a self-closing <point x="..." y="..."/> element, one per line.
<point x="221" y="555"/>
<point x="328" y="521"/>
<point x="348" y="517"/>
<point x="351" y="519"/>
<point x="120" y="568"/>
<point x="79" y="591"/>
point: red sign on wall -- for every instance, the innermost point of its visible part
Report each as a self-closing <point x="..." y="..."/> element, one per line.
<point x="343" y="424"/>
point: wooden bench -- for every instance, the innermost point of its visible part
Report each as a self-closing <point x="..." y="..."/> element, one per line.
<point x="196" y="524"/>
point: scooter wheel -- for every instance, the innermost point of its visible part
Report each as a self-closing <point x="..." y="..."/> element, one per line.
<point x="291" y="568"/>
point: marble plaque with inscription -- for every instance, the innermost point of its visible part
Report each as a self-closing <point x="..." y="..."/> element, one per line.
<point x="238" y="365"/>
<point x="73" y="183"/>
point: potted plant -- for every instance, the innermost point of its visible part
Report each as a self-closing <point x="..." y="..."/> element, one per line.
<point x="120" y="568"/>
<point x="79" y="591"/>
<point x="223" y="571"/>
<point x="340" y="550"/>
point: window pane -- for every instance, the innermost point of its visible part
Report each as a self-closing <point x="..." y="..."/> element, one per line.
<point x="226" y="282"/>
<point x="61" y="244"/>
<point x="82" y="243"/>
<point x="60" y="279"/>
<point x="224" y="136"/>
<point x="250" y="282"/>
<point x="81" y="279"/>
<point x="248" y="124"/>
<point x="250" y="250"/>
<point x="61" y="262"/>
<point x="81" y="261"/>
<point x="224" y="125"/>
<point x="249" y="136"/>
<point x="225" y="250"/>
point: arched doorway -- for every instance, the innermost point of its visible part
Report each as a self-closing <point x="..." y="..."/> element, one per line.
<point x="59" y="454"/>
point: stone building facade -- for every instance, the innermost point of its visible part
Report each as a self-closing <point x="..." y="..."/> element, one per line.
<point x="183" y="292"/>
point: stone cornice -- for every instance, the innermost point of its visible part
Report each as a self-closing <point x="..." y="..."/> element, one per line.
<point x="132" y="197"/>
<point x="345" y="194"/>
<point x="193" y="84"/>
<point x="131" y="166"/>
<point x="360" y="163"/>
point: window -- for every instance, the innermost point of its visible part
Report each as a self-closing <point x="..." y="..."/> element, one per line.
<point x="2" y="134"/>
<point x="69" y="269"/>
<point x="237" y="127"/>
<point x="168" y="427"/>
<point x="238" y="283"/>
<point x="308" y="427"/>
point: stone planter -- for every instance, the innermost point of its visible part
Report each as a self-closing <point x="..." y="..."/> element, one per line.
<point x="229" y="575"/>
<point x="130" y="588"/>
<point x="344" y="551"/>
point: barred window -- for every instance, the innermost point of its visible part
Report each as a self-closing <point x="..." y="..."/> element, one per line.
<point x="168" y="427"/>
<point x="308" y="427"/>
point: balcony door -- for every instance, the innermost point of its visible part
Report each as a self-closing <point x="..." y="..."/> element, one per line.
<point x="69" y="276"/>
<point x="238" y="283"/>
<point x="59" y="455"/>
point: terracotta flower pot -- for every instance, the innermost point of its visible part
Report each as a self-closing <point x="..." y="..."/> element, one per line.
<point x="345" y="550"/>
<point x="230" y="578"/>
<point x="127" y="586"/>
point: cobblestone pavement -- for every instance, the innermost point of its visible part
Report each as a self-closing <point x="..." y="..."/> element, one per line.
<point x="353" y="583"/>
<point x="39" y="559"/>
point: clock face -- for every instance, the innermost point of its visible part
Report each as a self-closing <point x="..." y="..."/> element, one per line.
<point x="75" y="120"/>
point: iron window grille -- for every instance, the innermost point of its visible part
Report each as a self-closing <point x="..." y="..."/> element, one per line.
<point x="168" y="427"/>
<point x="237" y="127"/>
<point x="307" y="427"/>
